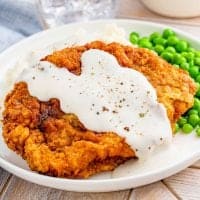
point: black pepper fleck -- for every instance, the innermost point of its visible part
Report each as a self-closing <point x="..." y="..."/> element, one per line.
<point x="41" y="68"/>
<point x="141" y="114"/>
<point x="114" y="111"/>
<point x="126" y="128"/>
<point x="105" y="109"/>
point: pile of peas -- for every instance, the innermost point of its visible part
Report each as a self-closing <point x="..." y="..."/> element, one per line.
<point x="179" y="53"/>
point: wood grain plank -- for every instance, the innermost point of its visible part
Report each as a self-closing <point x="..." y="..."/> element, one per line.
<point x="185" y="184"/>
<point x="4" y="176"/>
<point x="155" y="191"/>
<point x="19" y="189"/>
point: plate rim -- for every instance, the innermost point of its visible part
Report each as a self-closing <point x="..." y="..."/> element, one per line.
<point x="120" y="182"/>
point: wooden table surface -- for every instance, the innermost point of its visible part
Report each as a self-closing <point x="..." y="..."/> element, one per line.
<point x="184" y="185"/>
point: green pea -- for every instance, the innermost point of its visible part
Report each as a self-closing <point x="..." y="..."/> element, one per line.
<point x="145" y="44"/>
<point x="194" y="71"/>
<point x="192" y="111"/>
<point x="143" y="39"/>
<point x="168" y="32"/>
<point x="167" y="56"/>
<point x="198" y="78"/>
<point x="159" y="48"/>
<point x="181" y="46"/>
<point x="197" y="53"/>
<point x="170" y="49"/>
<point x="135" y="33"/>
<point x="198" y="93"/>
<point x="197" y="85"/>
<point x="177" y="66"/>
<point x="198" y="132"/>
<point x="185" y="66"/>
<point x="176" y="128"/>
<point x="172" y="40"/>
<point x="160" y="40"/>
<point x="190" y="49"/>
<point x="196" y="104"/>
<point x="154" y="35"/>
<point x="189" y="56"/>
<point x="178" y="59"/>
<point x="197" y="61"/>
<point x="191" y="63"/>
<point x="193" y="119"/>
<point x="187" y="128"/>
<point x="198" y="89"/>
<point x="134" y="37"/>
<point x="182" y="121"/>
<point x="184" y="54"/>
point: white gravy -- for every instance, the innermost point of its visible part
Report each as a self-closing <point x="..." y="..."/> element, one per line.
<point x="105" y="97"/>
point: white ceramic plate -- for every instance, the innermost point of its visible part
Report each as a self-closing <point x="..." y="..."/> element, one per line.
<point x="184" y="150"/>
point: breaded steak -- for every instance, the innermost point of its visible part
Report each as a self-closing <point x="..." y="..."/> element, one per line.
<point x="57" y="143"/>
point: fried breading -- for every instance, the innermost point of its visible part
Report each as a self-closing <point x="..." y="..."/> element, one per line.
<point x="175" y="89"/>
<point x="55" y="143"/>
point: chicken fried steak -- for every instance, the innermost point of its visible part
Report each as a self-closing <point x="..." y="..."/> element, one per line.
<point x="57" y="143"/>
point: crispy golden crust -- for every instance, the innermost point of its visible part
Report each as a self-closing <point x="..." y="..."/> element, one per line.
<point x="175" y="88"/>
<point x="55" y="143"/>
